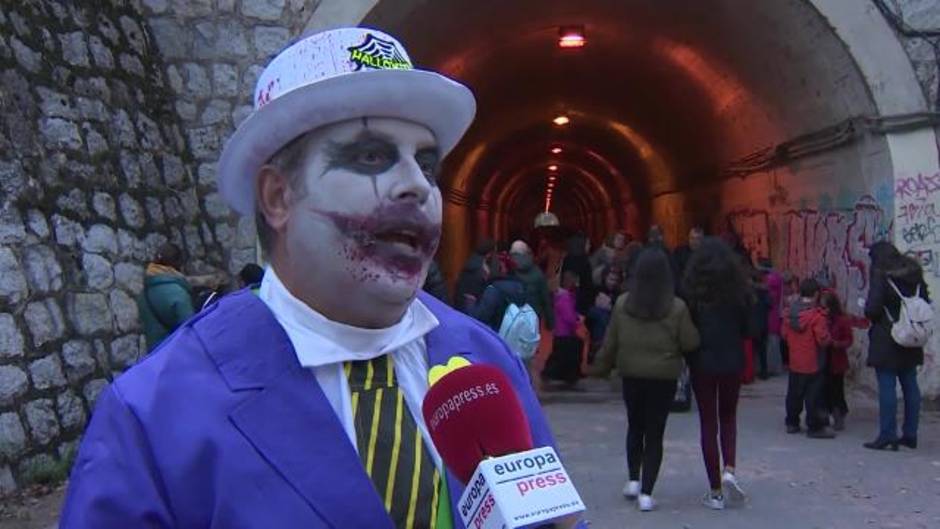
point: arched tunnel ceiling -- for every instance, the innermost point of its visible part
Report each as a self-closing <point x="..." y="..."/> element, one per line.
<point x="663" y="94"/>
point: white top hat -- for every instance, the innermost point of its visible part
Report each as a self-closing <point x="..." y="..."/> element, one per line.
<point x="335" y="76"/>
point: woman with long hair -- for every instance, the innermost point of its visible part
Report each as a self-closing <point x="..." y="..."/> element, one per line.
<point x="893" y="275"/>
<point x="649" y="332"/>
<point x="716" y="288"/>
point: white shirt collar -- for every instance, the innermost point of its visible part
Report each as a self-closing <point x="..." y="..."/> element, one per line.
<point x="319" y="341"/>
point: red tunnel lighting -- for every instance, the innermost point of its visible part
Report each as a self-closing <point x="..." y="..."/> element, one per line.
<point x="553" y="167"/>
<point x="561" y="121"/>
<point x="571" y="37"/>
<point x="556" y="150"/>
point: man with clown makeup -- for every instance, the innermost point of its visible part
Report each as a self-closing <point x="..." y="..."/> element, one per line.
<point x="298" y="405"/>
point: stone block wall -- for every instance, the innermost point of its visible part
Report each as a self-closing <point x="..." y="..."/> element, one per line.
<point x="923" y="16"/>
<point x="213" y="53"/>
<point x="97" y="170"/>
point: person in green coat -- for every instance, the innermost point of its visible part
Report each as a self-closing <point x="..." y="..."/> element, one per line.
<point x="649" y="334"/>
<point x="166" y="300"/>
<point x="536" y="286"/>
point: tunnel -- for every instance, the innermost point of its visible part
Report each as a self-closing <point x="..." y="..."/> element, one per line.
<point x="678" y="113"/>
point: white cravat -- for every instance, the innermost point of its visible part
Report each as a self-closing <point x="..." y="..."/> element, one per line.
<point x="324" y="345"/>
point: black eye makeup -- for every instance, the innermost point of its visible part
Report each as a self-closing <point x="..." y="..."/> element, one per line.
<point x="429" y="160"/>
<point x="368" y="154"/>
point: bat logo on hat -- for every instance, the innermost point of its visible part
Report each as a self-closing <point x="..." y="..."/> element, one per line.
<point x="378" y="54"/>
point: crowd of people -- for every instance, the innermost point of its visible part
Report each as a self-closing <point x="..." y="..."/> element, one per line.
<point x="702" y="319"/>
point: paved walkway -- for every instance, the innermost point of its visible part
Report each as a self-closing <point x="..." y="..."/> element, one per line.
<point x="793" y="482"/>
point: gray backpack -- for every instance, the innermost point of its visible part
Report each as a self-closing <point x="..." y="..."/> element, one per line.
<point x="914" y="325"/>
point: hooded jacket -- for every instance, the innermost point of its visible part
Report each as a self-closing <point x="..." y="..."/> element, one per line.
<point x="471" y="282"/>
<point x="883" y="352"/>
<point x="497" y="296"/>
<point x="536" y="288"/>
<point x="164" y="304"/>
<point x="806" y="330"/>
<point x="434" y="283"/>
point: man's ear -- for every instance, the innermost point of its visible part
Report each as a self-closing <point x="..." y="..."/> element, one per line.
<point x="274" y="197"/>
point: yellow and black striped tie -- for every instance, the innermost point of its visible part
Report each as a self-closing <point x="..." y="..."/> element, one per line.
<point x="391" y="446"/>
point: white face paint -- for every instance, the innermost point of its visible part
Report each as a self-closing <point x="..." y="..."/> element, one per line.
<point x="369" y="223"/>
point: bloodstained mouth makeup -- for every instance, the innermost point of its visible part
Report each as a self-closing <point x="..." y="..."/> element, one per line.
<point x="398" y="237"/>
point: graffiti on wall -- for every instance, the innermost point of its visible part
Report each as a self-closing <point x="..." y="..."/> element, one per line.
<point x="812" y="243"/>
<point x="918" y="219"/>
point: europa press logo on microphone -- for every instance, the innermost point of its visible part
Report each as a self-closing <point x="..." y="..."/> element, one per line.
<point x="478" y="489"/>
<point x="453" y="404"/>
<point x="518" y="490"/>
<point x="539" y="471"/>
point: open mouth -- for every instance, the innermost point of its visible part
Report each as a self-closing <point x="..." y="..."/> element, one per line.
<point x="407" y="239"/>
<point x="398" y="237"/>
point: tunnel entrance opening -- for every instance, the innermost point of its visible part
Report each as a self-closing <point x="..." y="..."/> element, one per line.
<point x="666" y="107"/>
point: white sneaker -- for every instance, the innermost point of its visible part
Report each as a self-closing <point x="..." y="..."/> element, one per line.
<point x="714" y="502"/>
<point x="732" y="488"/>
<point x="646" y="503"/>
<point x="631" y="489"/>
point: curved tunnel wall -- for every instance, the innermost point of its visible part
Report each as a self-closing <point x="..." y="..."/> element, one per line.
<point x="691" y="113"/>
<point x="664" y="97"/>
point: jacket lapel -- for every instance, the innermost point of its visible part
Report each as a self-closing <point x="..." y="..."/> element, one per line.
<point x="288" y="419"/>
<point x="291" y="423"/>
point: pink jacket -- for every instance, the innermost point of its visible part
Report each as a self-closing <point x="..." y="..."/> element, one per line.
<point x="775" y="288"/>
<point x="566" y="318"/>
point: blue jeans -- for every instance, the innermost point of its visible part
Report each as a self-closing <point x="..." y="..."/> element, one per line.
<point x="888" y="403"/>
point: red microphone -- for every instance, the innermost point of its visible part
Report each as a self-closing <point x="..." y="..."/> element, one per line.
<point x="481" y="432"/>
<point x="473" y="413"/>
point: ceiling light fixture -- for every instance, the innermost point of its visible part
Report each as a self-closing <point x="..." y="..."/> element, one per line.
<point x="571" y="37"/>
<point x="561" y="121"/>
<point x="553" y="167"/>
<point x="556" y="150"/>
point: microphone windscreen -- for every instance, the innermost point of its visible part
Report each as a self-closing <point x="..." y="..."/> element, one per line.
<point x="473" y="413"/>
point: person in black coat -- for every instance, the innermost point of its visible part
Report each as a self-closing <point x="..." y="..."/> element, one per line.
<point x="473" y="277"/>
<point x="893" y="363"/>
<point x="435" y="284"/>
<point x="504" y="288"/>
<point x="578" y="262"/>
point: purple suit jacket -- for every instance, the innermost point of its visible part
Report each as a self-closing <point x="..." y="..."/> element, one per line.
<point x="222" y="428"/>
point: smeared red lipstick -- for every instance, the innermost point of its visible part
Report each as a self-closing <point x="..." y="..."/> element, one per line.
<point x="399" y="237"/>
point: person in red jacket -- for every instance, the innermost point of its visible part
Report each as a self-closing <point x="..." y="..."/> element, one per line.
<point x="840" y="332"/>
<point x="806" y="330"/>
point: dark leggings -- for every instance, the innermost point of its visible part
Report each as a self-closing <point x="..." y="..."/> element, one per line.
<point x="647" y="402"/>
<point x="835" y="394"/>
<point x="717" y="398"/>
